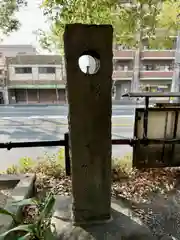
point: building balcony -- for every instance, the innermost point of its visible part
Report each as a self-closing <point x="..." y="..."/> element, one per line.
<point x="123" y="54"/>
<point x="159" y="54"/>
<point x="122" y="75"/>
<point x="146" y="75"/>
<point x="40" y="84"/>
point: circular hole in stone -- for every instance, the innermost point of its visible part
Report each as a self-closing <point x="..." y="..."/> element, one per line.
<point x="89" y="62"/>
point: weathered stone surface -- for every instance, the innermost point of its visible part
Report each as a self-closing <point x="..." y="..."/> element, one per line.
<point x="89" y="98"/>
<point x="123" y="224"/>
<point x="24" y="188"/>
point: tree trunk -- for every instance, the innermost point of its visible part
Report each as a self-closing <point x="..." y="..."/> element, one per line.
<point x="175" y="86"/>
<point x="136" y="72"/>
<point x="137" y="58"/>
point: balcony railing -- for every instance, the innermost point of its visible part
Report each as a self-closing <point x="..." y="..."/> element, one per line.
<point x="121" y="75"/>
<point x="159" y="54"/>
<point x="156" y="74"/>
<point x="124" y="54"/>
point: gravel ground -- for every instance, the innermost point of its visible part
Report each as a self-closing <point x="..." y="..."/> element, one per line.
<point x="161" y="215"/>
<point x="154" y="196"/>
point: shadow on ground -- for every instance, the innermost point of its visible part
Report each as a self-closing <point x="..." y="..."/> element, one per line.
<point x="122" y="226"/>
<point x="161" y="214"/>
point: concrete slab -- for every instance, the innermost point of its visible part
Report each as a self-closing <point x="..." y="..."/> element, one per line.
<point x="24" y="188"/>
<point x="122" y="225"/>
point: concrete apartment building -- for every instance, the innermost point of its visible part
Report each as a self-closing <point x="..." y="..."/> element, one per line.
<point x="35" y="79"/>
<point x="40" y="78"/>
<point x="10" y="51"/>
<point x="27" y="77"/>
<point x="156" y="70"/>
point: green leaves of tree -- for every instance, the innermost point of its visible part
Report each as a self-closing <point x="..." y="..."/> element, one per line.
<point x="132" y="22"/>
<point x="8" y="20"/>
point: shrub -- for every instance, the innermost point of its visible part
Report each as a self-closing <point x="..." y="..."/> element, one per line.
<point x="40" y="229"/>
<point x="50" y="165"/>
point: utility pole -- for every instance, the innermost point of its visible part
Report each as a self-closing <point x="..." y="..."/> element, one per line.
<point x="175" y="87"/>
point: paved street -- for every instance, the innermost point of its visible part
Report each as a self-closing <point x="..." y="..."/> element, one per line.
<point x="32" y="111"/>
<point x="50" y="123"/>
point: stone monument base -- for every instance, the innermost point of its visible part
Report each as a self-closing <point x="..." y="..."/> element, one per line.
<point x="122" y="225"/>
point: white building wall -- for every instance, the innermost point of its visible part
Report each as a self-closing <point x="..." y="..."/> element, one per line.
<point x="2" y="61"/>
<point x="59" y="73"/>
<point x="35" y="76"/>
<point x="48" y="76"/>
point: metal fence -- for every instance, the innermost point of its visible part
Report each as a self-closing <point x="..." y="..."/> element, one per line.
<point x="62" y="143"/>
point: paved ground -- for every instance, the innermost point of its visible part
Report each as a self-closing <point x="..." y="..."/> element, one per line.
<point x="29" y="124"/>
<point x="29" y="111"/>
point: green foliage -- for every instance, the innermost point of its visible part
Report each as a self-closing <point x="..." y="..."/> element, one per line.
<point x="41" y="227"/>
<point x="26" y="164"/>
<point x="132" y="23"/>
<point x="170" y="9"/>
<point x="12" y="170"/>
<point x="8" y="19"/>
<point x="6" y="212"/>
<point x="125" y="161"/>
<point x="168" y="21"/>
<point x="60" y="157"/>
<point x="50" y="165"/>
<point x="59" y="13"/>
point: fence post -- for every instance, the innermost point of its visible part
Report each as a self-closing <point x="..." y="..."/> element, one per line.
<point x="89" y="97"/>
<point x="67" y="156"/>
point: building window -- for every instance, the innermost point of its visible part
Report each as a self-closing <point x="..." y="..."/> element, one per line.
<point x="23" y="70"/>
<point x="149" y="67"/>
<point x="119" y="66"/>
<point x="126" y="68"/>
<point x="47" y="70"/>
<point x="157" y="67"/>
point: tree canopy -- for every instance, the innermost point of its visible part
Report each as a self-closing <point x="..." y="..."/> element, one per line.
<point x="132" y="22"/>
<point x="8" y="19"/>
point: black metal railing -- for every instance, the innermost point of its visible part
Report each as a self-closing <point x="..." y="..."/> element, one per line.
<point x="64" y="143"/>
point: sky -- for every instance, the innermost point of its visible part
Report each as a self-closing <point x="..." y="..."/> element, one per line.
<point x="31" y="19"/>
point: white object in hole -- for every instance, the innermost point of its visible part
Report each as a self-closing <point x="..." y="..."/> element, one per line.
<point x="88" y="64"/>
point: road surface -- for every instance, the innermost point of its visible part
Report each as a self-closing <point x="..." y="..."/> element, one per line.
<point x="50" y="123"/>
<point x="33" y="111"/>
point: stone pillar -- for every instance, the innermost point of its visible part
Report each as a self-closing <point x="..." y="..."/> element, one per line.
<point x="89" y="97"/>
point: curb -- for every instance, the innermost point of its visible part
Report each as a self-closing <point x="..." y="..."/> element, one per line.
<point x="24" y="189"/>
<point x="113" y="125"/>
<point x="60" y="117"/>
